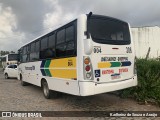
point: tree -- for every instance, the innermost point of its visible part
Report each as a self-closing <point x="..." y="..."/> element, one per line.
<point x="2" y="52"/>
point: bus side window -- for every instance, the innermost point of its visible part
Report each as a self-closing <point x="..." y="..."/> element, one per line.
<point x="70" y="33"/>
<point x="61" y="36"/>
<point x="61" y="50"/>
<point x="50" y="52"/>
<point x="70" y="39"/>
<point x="37" y="49"/>
<point x="51" y="41"/>
<point x="28" y="53"/>
<point x="44" y="43"/>
<point x="61" y="44"/>
<point x="70" y="48"/>
<point x="32" y="52"/>
<point x="24" y="54"/>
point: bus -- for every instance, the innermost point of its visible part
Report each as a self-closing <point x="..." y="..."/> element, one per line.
<point x="90" y="55"/>
<point x="8" y="59"/>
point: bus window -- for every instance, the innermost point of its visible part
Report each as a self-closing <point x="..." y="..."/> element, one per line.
<point x="51" y="42"/>
<point x="33" y="47"/>
<point x="61" y="36"/>
<point x="37" y="46"/>
<point x="70" y="33"/>
<point x="24" y="55"/>
<point x="108" y="31"/>
<point x="24" y="50"/>
<point x="32" y="52"/>
<point x="44" y="43"/>
<point x="12" y="57"/>
<point x="70" y="49"/>
<point x="61" y="50"/>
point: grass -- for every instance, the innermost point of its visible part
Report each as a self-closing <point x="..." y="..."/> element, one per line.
<point x="148" y="88"/>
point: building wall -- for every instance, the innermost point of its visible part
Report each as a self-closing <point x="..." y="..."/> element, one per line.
<point x="145" y="37"/>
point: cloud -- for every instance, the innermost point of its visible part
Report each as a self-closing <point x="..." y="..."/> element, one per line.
<point x="7" y="23"/>
<point x="137" y="12"/>
<point x="23" y="20"/>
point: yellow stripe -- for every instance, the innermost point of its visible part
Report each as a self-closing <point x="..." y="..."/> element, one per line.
<point x="63" y="68"/>
<point x="104" y="65"/>
<point x="63" y="63"/>
<point x="68" y="74"/>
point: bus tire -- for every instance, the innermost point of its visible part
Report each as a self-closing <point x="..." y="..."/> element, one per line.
<point x="46" y="91"/>
<point x="22" y="82"/>
<point x="6" y="76"/>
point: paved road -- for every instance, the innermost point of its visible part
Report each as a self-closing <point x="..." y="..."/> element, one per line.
<point x="14" y="97"/>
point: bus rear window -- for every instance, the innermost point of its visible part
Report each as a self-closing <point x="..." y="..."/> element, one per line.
<point x="108" y="31"/>
<point x="12" y="57"/>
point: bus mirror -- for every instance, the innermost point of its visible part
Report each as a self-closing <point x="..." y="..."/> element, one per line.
<point x="88" y="47"/>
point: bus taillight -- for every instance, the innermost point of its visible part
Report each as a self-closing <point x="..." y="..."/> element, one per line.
<point x="88" y="71"/>
<point x="87" y="68"/>
<point x="86" y="60"/>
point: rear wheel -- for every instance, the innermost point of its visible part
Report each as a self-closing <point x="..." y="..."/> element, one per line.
<point x="6" y="76"/>
<point x="22" y="82"/>
<point x="46" y="91"/>
<point x="49" y="93"/>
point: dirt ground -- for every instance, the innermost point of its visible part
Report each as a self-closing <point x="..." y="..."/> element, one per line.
<point x="14" y="97"/>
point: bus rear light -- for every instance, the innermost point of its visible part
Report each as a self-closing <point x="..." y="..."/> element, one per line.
<point x="86" y="61"/>
<point x="87" y="68"/>
<point x="88" y="75"/>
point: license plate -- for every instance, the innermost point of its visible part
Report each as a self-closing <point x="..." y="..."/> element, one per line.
<point x="115" y="76"/>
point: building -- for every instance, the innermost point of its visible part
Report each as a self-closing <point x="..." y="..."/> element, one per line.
<point x="145" y="38"/>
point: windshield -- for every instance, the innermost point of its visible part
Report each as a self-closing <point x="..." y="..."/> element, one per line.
<point x="108" y="31"/>
<point x="12" y="57"/>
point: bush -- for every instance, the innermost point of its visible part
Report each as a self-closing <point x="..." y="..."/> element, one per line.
<point x="148" y="88"/>
<point x="0" y="64"/>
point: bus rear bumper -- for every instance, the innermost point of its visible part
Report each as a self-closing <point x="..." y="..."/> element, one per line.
<point x="91" y="88"/>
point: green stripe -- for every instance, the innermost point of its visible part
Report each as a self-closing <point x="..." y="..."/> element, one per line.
<point x="47" y="63"/>
<point x="47" y="71"/>
<point x="115" y="64"/>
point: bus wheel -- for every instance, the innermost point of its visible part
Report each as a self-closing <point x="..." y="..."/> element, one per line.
<point x="6" y="76"/>
<point x="46" y="91"/>
<point x="22" y="82"/>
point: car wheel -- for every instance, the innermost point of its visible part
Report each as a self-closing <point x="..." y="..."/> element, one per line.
<point x="22" y="82"/>
<point x="6" y="76"/>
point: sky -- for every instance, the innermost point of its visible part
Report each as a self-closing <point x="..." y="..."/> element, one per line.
<point x="23" y="20"/>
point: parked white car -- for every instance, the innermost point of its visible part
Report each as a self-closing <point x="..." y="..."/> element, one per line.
<point x="11" y="71"/>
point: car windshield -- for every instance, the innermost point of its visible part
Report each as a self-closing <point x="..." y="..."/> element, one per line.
<point x="108" y="31"/>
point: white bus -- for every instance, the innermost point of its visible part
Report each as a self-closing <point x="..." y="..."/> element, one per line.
<point x="8" y="59"/>
<point x="91" y="55"/>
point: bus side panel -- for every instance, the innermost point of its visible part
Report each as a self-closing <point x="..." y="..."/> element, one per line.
<point x="63" y="75"/>
<point x="31" y="72"/>
<point x="34" y="72"/>
<point x="65" y="86"/>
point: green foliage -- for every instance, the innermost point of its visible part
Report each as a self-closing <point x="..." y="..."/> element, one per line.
<point x="2" y="52"/>
<point x="148" y="88"/>
<point x="0" y="64"/>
